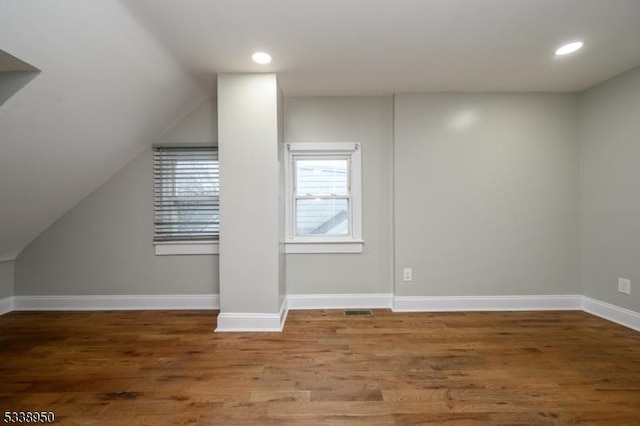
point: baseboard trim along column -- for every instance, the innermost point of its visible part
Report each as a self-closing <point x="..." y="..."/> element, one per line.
<point x="612" y="313"/>
<point x="116" y="303"/>
<point x="6" y="305"/>
<point x="252" y="322"/>
<point x="486" y="303"/>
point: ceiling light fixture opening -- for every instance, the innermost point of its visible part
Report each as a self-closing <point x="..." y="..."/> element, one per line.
<point x="261" y="57"/>
<point x="569" y="48"/>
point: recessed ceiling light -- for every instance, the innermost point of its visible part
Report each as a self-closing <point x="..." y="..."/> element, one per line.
<point x="569" y="48"/>
<point x="261" y="58"/>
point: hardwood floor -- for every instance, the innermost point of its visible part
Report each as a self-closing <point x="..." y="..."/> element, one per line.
<point x="168" y="367"/>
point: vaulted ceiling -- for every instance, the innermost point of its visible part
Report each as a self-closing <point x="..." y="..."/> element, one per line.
<point x="106" y="87"/>
<point x="115" y="74"/>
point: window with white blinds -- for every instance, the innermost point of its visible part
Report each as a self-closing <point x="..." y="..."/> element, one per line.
<point x="186" y="193"/>
<point x="323" y="202"/>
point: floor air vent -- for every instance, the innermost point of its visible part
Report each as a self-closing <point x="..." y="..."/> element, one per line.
<point x="359" y="313"/>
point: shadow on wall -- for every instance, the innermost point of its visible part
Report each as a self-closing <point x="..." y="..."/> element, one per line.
<point x="14" y="75"/>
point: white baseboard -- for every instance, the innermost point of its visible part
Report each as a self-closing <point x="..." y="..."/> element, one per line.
<point x="6" y="305"/>
<point x="275" y="322"/>
<point x="485" y="303"/>
<point x="112" y="303"/>
<point x="610" y="312"/>
<point x="340" y="301"/>
<point x="252" y="322"/>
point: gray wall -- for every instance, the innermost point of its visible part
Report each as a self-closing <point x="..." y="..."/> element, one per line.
<point x="103" y="246"/>
<point x="349" y="119"/>
<point x="6" y="279"/>
<point x="486" y="194"/>
<point x="486" y="202"/>
<point x="199" y="126"/>
<point x="610" y="189"/>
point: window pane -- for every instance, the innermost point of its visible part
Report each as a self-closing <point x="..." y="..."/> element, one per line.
<point x="191" y="217"/>
<point x="322" y="177"/>
<point x="322" y="217"/>
<point x="186" y="186"/>
<point x="195" y="178"/>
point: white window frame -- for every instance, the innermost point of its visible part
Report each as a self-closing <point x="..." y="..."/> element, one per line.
<point x="352" y="243"/>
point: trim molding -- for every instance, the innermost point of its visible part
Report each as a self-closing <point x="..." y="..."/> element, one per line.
<point x="297" y="247"/>
<point x="200" y="247"/>
<point x="6" y="305"/>
<point x="113" y="303"/>
<point x="486" y="303"/>
<point x="231" y="321"/>
<point x="611" y="312"/>
<point x="340" y="301"/>
<point x="252" y="322"/>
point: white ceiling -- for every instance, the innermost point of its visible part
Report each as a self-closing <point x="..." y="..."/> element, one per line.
<point x="116" y="73"/>
<point x="347" y="47"/>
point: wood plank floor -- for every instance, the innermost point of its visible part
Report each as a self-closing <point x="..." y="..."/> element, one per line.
<point x="168" y="367"/>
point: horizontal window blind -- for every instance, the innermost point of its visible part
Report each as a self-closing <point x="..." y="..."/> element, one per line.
<point x="186" y="193"/>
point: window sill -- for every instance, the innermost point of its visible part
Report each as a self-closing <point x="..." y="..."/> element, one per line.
<point x="187" y="247"/>
<point x="212" y="247"/>
<point x="324" y="247"/>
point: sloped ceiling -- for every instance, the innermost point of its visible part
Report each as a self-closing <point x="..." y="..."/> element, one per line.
<point x="116" y="73"/>
<point x="106" y="88"/>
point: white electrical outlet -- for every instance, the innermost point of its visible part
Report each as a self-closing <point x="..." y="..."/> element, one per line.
<point x="624" y="285"/>
<point x="407" y="274"/>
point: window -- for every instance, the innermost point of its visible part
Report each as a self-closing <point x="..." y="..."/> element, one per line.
<point x="186" y="199"/>
<point x="323" y="200"/>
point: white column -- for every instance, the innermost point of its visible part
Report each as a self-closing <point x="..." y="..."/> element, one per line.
<point x="249" y="141"/>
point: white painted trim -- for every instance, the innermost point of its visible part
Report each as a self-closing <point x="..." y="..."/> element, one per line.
<point x="275" y="322"/>
<point x="340" y="301"/>
<point x="252" y="322"/>
<point x="324" y="247"/>
<point x="611" y="312"/>
<point x="323" y="146"/>
<point x="109" y="303"/>
<point x="485" y="303"/>
<point x="353" y="151"/>
<point x="6" y="305"/>
<point x="170" y="249"/>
